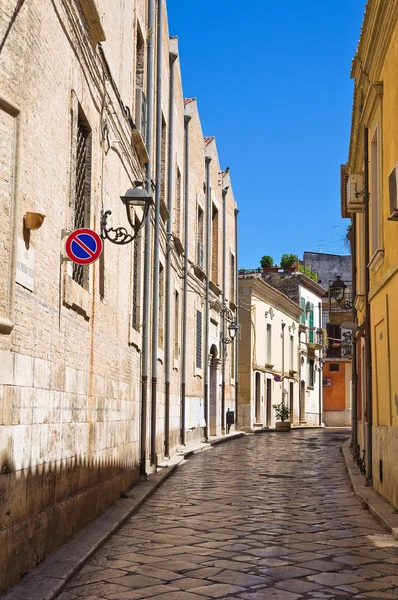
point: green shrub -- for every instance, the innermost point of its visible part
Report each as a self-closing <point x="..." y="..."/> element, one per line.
<point x="309" y="272"/>
<point x="288" y="260"/>
<point x="282" y="412"/>
<point x="267" y="262"/>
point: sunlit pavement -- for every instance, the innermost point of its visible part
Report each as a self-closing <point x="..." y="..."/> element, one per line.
<point x="263" y="517"/>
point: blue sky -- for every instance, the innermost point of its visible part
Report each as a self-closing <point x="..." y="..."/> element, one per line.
<point x="273" y="85"/>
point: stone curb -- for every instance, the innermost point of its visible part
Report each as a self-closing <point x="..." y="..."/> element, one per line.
<point x="47" y="580"/>
<point x="297" y="428"/>
<point x="382" y="510"/>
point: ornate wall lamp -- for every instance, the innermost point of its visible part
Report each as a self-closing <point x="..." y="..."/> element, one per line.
<point x="233" y="327"/>
<point x="136" y="197"/>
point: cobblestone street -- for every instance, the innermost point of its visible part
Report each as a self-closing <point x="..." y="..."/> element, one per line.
<point x="264" y="517"/>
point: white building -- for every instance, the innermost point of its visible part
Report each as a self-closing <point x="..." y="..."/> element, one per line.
<point x="269" y="360"/>
<point x="308" y="294"/>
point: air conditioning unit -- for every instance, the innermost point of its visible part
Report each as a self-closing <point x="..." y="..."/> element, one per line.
<point x="393" y="192"/>
<point x="140" y="112"/>
<point x="308" y="307"/>
<point x="356" y="193"/>
<point x="200" y="255"/>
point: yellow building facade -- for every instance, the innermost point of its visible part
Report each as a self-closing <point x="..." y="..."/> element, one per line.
<point x="370" y="198"/>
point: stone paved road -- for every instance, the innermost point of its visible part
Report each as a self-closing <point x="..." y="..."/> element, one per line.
<point x="264" y="517"/>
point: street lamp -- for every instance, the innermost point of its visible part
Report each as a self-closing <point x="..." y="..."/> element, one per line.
<point x="233" y="327"/>
<point x="136" y="197"/>
<point x="337" y="289"/>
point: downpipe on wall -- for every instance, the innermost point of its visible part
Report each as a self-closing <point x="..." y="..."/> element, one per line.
<point x="207" y="307"/>
<point x="168" y="359"/>
<point x="224" y="297"/>
<point x="236" y="340"/>
<point x="354" y="380"/>
<point x="368" y="346"/>
<point x="147" y="245"/>
<point x="156" y="243"/>
<point x="187" y="119"/>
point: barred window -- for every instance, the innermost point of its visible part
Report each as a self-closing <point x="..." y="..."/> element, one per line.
<point x="81" y="216"/>
<point x="214" y="243"/>
<point x="176" y="324"/>
<point x="136" y="281"/>
<point x="198" y="339"/>
<point x="161" y="307"/>
<point x="232" y="277"/>
<point x="177" y="224"/>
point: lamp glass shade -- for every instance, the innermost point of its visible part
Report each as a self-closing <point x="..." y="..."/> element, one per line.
<point x="232" y="329"/>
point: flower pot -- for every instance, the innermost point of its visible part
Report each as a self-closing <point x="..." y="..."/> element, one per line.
<point x="282" y="426"/>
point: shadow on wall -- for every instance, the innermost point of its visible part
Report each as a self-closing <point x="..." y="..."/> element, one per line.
<point x="42" y="507"/>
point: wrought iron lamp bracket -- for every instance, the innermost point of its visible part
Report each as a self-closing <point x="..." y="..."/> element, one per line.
<point x="119" y="235"/>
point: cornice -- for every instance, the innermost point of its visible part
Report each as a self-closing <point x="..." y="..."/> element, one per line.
<point x="377" y="30"/>
<point x="271" y="296"/>
<point x="374" y="92"/>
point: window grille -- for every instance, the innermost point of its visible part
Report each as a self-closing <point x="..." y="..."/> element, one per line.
<point x="82" y="192"/>
<point x="198" y="339"/>
<point x="136" y="283"/>
<point x="232" y="277"/>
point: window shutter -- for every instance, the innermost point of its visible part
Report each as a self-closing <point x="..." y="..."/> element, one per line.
<point x="302" y="318"/>
<point x="311" y="324"/>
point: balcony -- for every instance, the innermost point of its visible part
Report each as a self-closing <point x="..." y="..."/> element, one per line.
<point x="315" y="339"/>
<point x="340" y="301"/>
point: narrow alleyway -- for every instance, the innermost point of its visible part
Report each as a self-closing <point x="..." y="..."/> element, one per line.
<point x="264" y="517"/>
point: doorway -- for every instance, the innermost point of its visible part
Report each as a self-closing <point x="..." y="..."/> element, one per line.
<point x="269" y="399"/>
<point x="302" y="403"/>
<point x="213" y="391"/>
<point x="257" y="397"/>
<point x="291" y="400"/>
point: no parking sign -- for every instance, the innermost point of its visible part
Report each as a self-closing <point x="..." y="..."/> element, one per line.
<point x="83" y="246"/>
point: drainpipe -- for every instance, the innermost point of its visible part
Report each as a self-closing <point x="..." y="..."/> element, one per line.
<point x="224" y="287"/>
<point x="207" y="308"/>
<point x="155" y="301"/>
<point x="147" y="245"/>
<point x="354" y="382"/>
<point x="369" y="407"/>
<point x="168" y="353"/>
<point x="187" y="119"/>
<point x="320" y="370"/>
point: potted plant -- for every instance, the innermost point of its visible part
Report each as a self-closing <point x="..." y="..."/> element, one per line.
<point x="267" y="262"/>
<point x="289" y="262"/>
<point x="282" y="415"/>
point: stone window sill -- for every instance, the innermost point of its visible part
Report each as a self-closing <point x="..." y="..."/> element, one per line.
<point x="376" y="260"/>
<point x="135" y="338"/>
<point x="6" y="326"/>
<point x="77" y="298"/>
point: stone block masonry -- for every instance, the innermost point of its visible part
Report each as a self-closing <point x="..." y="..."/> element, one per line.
<point x="70" y="348"/>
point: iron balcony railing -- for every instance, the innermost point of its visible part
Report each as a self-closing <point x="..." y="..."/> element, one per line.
<point x="340" y="295"/>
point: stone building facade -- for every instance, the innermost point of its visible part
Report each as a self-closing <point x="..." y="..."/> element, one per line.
<point x="74" y="110"/>
<point x="370" y="198"/>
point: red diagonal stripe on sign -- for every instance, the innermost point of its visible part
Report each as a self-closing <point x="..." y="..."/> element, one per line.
<point x="83" y="245"/>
